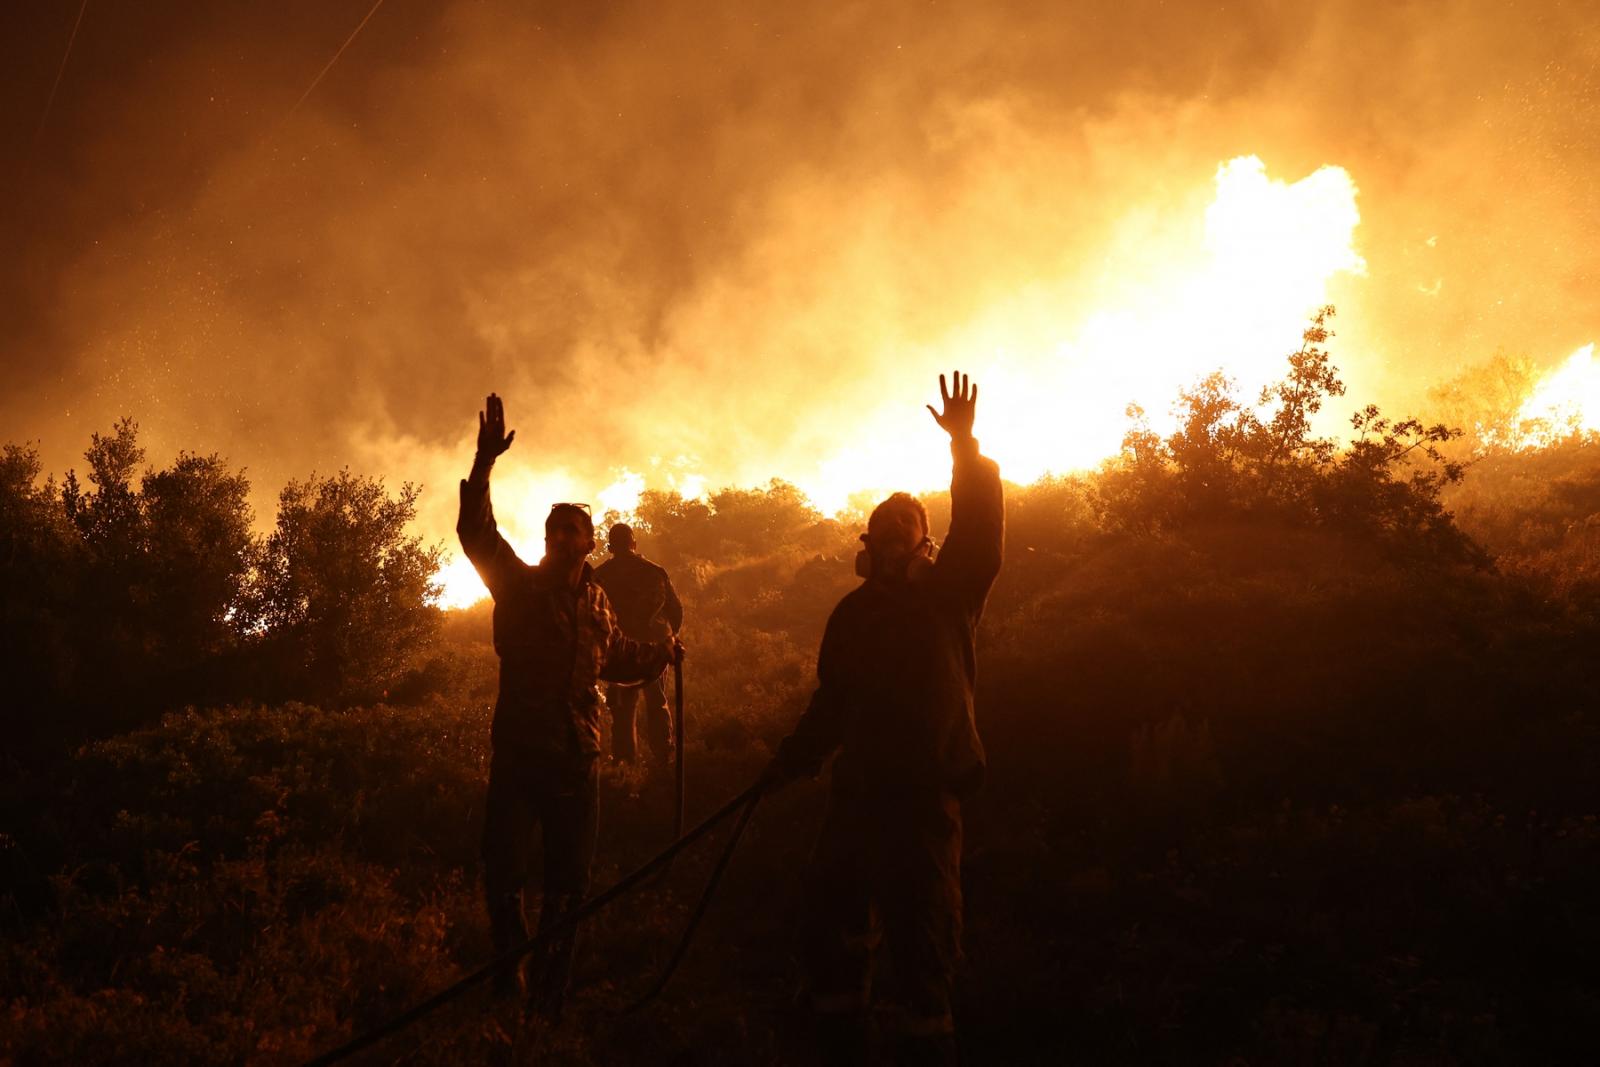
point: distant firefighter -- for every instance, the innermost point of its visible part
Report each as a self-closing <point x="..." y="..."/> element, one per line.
<point x="556" y="638"/>
<point x="648" y="609"/>
<point x="894" y="699"/>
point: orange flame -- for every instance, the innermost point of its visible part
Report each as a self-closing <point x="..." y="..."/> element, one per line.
<point x="1231" y="289"/>
<point x="1565" y="403"/>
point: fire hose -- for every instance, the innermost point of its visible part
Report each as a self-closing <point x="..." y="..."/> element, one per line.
<point x="746" y="801"/>
<point x="705" y="902"/>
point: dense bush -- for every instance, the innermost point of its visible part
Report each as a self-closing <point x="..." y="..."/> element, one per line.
<point x="132" y="592"/>
<point x="1230" y="460"/>
<point x="39" y="553"/>
<point x="340" y="597"/>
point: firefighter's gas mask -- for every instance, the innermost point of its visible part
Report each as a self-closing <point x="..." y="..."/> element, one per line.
<point x="917" y="567"/>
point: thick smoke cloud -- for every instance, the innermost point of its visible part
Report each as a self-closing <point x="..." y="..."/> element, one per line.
<point x="713" y="237"/>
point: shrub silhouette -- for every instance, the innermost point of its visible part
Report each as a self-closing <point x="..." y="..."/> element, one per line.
<point x="340" y="597"/>
<point x="1228" y="459"/>
<point x="129" y="591"/>
<point x="132" y="580"/>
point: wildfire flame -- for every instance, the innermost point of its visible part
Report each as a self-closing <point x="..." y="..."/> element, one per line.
<point x="523" y="499"/>
<point x="1233" y="292"/>
<point x="459" y="584"/>
<point x="1232" y="289"/>
<point x="1565" y="402"/>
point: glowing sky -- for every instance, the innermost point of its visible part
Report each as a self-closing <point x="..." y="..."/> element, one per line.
<point x="698" y="244"/>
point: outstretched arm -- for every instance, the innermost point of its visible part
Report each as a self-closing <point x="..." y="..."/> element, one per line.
<point x="494" y="559"/>
<point x="976" y="543"/>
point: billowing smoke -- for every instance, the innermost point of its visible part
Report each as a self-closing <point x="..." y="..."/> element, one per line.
<point x="715" y="243"/>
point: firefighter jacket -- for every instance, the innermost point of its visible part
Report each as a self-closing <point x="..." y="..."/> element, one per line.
<point x="642" y="596"/>
<point x="554" y="643"/>
<point x="898" y="663"/>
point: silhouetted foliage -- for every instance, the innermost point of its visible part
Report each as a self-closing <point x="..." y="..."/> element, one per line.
<point x="732" y="524"/>
<point x="199" y="550"/>
<point x="1533" y="497"/>
<point x="129" y="591"/>
<point x="129" y="581"/>
<point x="40" y="559"/>
<point x="1229" y="461"/>
<point x="340" y="597"/>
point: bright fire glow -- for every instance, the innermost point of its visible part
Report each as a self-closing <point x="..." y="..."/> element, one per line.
<point x="522" y="499"/>
<point x="1565" y="402"/>
<point x="1229" y="286"/>
<point x="459" y="584"/>
<point x="690" y="487"/>
<point x="621" y="496"/>
<point x="1233" y="291"/>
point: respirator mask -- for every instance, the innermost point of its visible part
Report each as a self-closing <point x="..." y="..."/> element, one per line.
<point x="919" y="565"/>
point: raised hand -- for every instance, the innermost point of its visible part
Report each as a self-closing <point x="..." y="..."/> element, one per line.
<point x="960" y="406"/>
<point x="492" y="436"/>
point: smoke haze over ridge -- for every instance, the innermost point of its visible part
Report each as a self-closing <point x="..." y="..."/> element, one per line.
<point x="714" y="238"/>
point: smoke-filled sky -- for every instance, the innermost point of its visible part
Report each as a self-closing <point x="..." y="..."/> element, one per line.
<point x="736" y="241"/>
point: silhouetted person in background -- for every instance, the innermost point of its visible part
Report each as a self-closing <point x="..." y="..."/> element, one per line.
<point x="556" y="638"/>
<point x="894" y="698"/>
<point x="648" y="609"/>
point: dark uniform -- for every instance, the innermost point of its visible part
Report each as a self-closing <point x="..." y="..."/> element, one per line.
<point x="648" y="609"/>
<point x="896" y="674"/>
<point x="554" y="644"/>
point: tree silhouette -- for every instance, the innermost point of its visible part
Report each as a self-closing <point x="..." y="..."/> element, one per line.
<point x="140" y="594"/>
<point x="40" y="557"/>
<point x="1229" y="460"/>
<point x="340" y="599"/>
